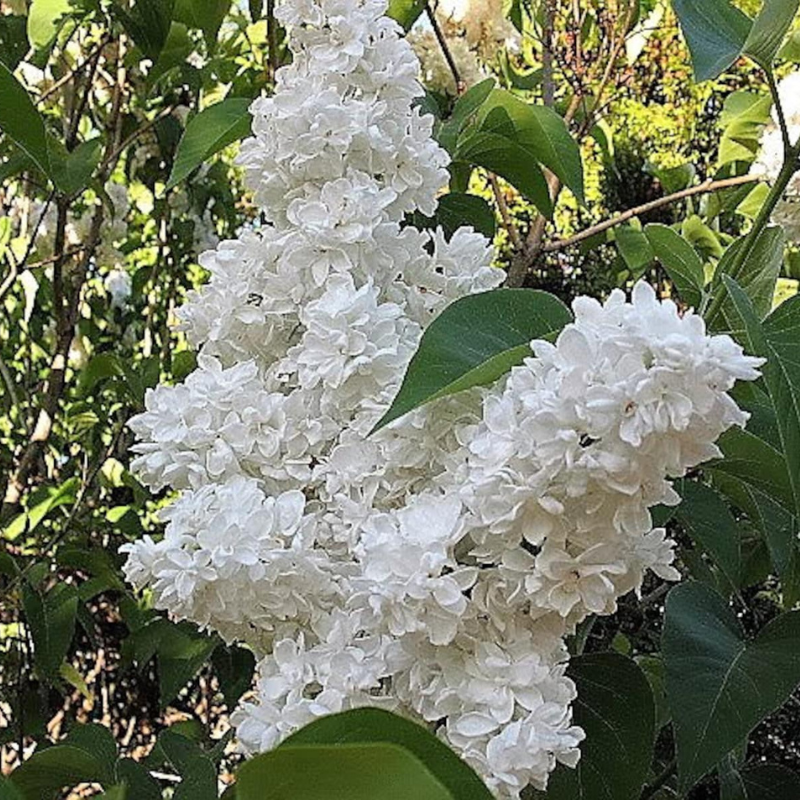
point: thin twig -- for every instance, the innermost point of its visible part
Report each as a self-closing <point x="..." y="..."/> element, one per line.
<point x="448" y="56"/>
<point x="701" y="188"/>
<point x="776" y="102"/>
<point x="502" y="206"/>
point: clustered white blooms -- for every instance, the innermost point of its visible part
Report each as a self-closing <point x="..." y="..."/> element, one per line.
<point x="769" y="161"/>
<point x="435" y="567"/>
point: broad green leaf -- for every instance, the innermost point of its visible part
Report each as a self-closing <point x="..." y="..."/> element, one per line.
<point x="777" y="340"/>
<point x="178" y="46"/>
<point x="148" y="23"/>
<point x="197" y="770"/>
<point x="44" y="20"/>
<point x="141" y="786"/>
<point x="97" y="741"/>
<point x="372" y="725"/>
<point x="680" y="260"/>
<point x="634" y="248"/>
<point x="47" y="771"/>
<point x="207" y="15"/>
<point x="711" y="525"/>
<point x="21" y="122"/>
<point x="510" y="160"/>
<point x="770" y="782"/>
<point x="715" y="31"/>
<point x="540" y="132"/>
<point x="364" y="771"/>
<point x="51" y="619"/>
<point x="73" y="171"/>
<point x="456" y="210"/>
<point x="182" y="650"/>
<point x="615" y="708"/>
<point x="769" y="28"/>
<point x="13" y="40"/>
<point x="757" y="276"/>
<point x="719" y="684"/>
<point x="406" y="12"/>
<point x="463" y="110"/>
<point x="206" y="134"/>
<point x="8" y="791"/>
<point x="119" y="792"/>
<point x="234" y="667"/>
<point x="473" y="342"/>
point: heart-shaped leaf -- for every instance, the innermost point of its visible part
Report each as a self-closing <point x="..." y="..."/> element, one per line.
<point x="719" y="684"/>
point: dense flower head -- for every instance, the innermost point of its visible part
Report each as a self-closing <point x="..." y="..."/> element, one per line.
<point x="433" y="568"/>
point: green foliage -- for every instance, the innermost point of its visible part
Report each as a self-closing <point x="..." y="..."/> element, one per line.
<point x="680" y="260"/>
<point x="719" y="684"/>
<point x="499" y="327"/>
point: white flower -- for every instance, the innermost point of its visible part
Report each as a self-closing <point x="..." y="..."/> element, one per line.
<point x="119" y="285"/>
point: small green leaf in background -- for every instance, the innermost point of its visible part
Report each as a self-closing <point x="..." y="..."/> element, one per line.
<point x="715" y="31"/>
<point x="405" y="12"/>
<point x="719" y="684"/>
<point x="206" y="134"/>
<point x="50" y="616"/>
<point x="364" y="771"/>
<point x="710" y="523"/>
<point x="615" y="709"/>
<point x="372" y="725"/>
<point x="680" y="260"/>
<point x="207" y="15"/>
<point x="473" y="342"/>
<point x="45" y="17"/>
<point x="769" y="27"/>
<point x="743" y="117"/>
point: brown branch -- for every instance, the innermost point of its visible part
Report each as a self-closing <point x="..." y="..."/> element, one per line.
<point x="701" y="188"/>
<point x="272" y="41"/>
<point x="502" y="206"/>
<point x="448" y="56"/>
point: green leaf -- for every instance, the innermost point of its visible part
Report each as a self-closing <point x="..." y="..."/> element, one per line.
<point x="364" y="771"/>
<point x="715" y="32"/>
<point x="182" y="650"/>
<point x="73" y="171"/>
<point x="770" y="782"/>
<point x="21" y="122"/>
<point x="509" y="160"/>
<point x="148" y="24"/>
<point x="777" y="341"/>
<point x="45" y="18"/>
<point x="206" y="134"/>
<point x="634" y="248"/>
<point x="757" y="277"/>
<point x="372" y="725"/>
<point x="13" y="40"/>
<point x="680" y="260"/>
<point x="456" y="210"/>
<point x="769" y="28"/>
<point x="538" y="131"/>
<point x="234" y="667"/>
<point x="616" y="710"/>
<point x="47" y="771"/>
<point x="97" y="741"/>
<point x="178" y="46"/>
<point x="8" y="791"/>
<point x="710" y="523"/>
<point x="51" y="619"/>
<point x="207" y="15"/>
<point x="141" y="786"/>
<point x="473" y="342"/>
<point x="406" y="12"/>
<point x="720" y="685"/>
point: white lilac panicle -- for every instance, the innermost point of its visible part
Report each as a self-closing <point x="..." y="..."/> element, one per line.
<point x="436" y="567"/>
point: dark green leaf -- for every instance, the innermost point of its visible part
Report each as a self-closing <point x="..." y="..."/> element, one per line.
<point x="758" y="276"/>
<point x="51" y="619"/>
<point x="141" y="785"/>
<point x="234" y="667"/>
<point x="148" y="24"/>
<point x="680" y="260"/>
<point x="372" y="725"/>
<point x="456" y="210"/>
<point x="8" y="791"/>
<point x="207" y="15"/>
<point x="715" y="32"/>
<point x="473" y="342"/>
<point x="74" y="170"/>
<point x="206" y="134"/>
<point x="177" y="48"/>
<point x="96" y="741"/>
<point x="710" y="523"/>
<point x="769" y="28"/>
<point x="47" y="771"/>
<point x="615" y="708"/>
<point x="338" y="772"/>
<point x="21" y="122"/>
<point x="770" y="782"/>
<point x="181" y="653"/>
<point x="720" y="685"/>
<point x="13" y="40"/>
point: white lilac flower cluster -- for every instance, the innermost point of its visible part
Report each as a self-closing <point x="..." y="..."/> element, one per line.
<point x="435" y="567"/>
<point x="769" y="161"/>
